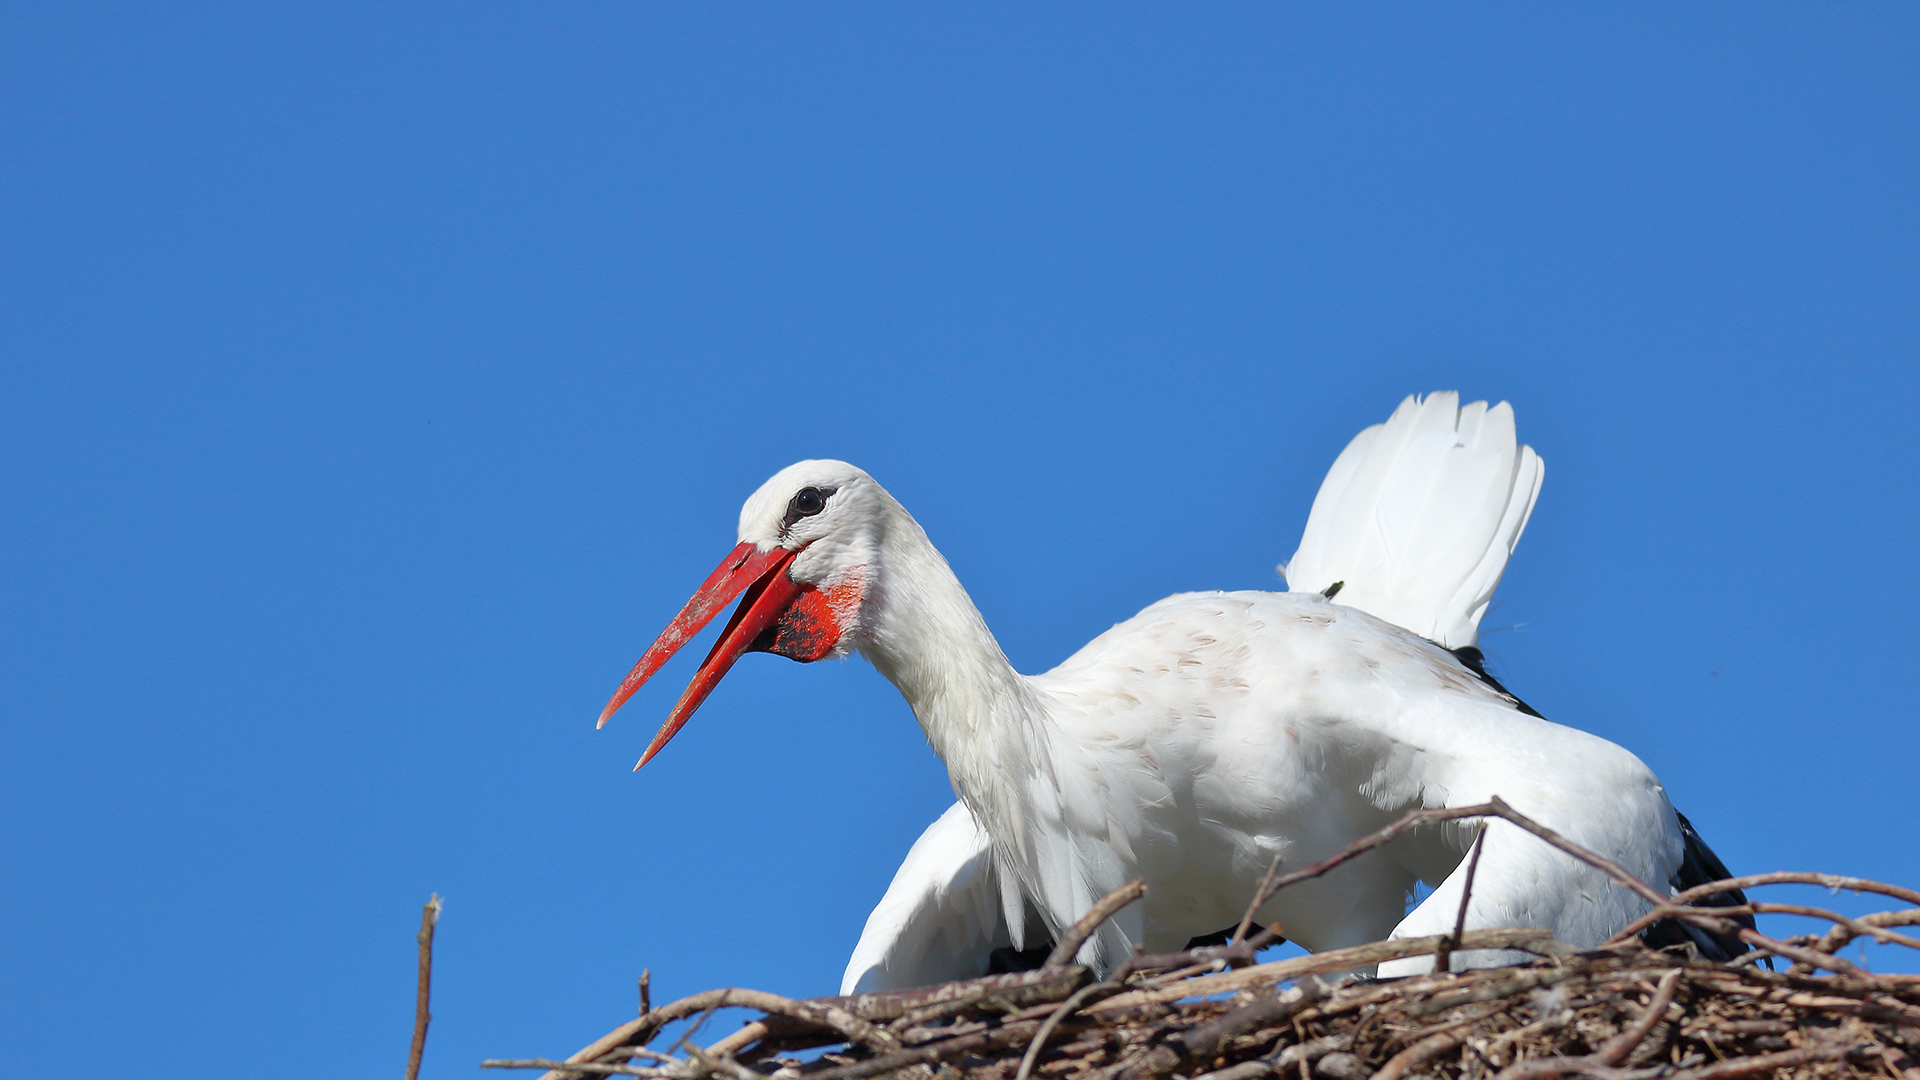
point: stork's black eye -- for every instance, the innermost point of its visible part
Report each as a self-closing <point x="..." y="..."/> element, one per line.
<point x="810" y="501"/>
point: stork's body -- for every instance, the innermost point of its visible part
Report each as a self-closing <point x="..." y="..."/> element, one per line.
<point x="1193" y="743"/>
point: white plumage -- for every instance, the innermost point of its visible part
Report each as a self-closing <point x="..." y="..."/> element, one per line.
<point x="1419" y="515"/>
<point x="941" y="917"/>
<point x="1415" y="522"/>
<point x="1194" y="742"/>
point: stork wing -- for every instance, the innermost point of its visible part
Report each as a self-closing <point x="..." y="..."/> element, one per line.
<point x="941" y="918"/>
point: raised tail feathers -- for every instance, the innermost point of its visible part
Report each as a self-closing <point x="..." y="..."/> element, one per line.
<point x="1418" y="516"/>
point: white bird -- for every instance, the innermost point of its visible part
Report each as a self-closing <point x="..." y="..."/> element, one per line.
<point x="1413" y="524"/>
<point x="1193" y="743"/>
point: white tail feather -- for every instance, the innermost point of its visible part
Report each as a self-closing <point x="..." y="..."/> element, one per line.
<point x="1418" y="517"/>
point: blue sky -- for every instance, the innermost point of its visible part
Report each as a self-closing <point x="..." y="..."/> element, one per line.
<point x="377" y="381"/>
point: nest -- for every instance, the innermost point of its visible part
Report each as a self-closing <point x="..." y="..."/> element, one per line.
<point x="1623" y="1011"/>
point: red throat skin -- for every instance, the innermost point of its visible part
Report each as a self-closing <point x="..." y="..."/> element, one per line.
<point x="812" y="627"/>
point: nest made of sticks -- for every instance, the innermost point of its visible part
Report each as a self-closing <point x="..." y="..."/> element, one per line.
<point x="1620" y="1012"/>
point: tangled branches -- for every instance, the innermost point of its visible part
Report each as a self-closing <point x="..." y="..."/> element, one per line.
<point x="1620" y="1012"/>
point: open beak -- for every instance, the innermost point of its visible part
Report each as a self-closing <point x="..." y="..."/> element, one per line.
<point x="769" y="593"/>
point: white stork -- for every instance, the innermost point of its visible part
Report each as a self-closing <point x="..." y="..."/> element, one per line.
<point x="1415" y="521"/>
<point x="1193" y="743"/>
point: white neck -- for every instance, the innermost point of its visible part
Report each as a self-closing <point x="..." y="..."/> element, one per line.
<point x="984" y="719"/>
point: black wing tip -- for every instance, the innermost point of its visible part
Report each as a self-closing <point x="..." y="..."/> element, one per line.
<point x="1476" y="662"/>
<point x="1698" y="866"/>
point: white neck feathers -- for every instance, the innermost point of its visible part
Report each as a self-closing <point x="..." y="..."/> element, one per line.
<point x="922" y="631"/>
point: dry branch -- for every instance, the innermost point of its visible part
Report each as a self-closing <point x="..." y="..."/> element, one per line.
<point x="1084" y="928"/>
<point x="429" y="918"/>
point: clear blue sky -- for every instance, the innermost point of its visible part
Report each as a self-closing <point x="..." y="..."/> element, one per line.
<point x="376" y="382"/>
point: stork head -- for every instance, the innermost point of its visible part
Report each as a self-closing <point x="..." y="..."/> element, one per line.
<point x="808" y="539"/>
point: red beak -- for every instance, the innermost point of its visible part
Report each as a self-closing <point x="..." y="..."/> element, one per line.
<point x="769" y="593"/>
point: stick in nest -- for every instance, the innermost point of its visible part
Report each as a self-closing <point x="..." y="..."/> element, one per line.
<point x="1443" y="956"/>
<point x="1077" y="936"/>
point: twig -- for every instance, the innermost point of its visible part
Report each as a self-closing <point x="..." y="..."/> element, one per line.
<point x="1841" y="935"/>
<point x="1009" y="1035"/>
<point x="1308" y="1051"/>
<point x="1900" y="1063"/>
<point x="725" y="1066"/>
<point x="1443" y="956"/>
<point x="637" y="1032"/>
<point x="652" y="1055"/>
<point x="910" y="1008"/>
<point x="1083" y="929"/>
<point x="1235" y="954"/>
<point x="1261" y="895"/>
<point x="1798" y="955"/>
<point x="646" y="988"/>
<point x="694" y="1028"/>
<point x="1079" y="998"/>
<point x="1620" y="1046"/>
<point x="1664" y="911"/>
<point x="1203" y="1041"/>
<point x="1843" y="932"/>
<point x="429" y="918"/>
<point x="1494" y="807"/>
<point x="1832" y="882"/>
<point x="1429" y="1047"/>
<point x="581" y="1067"/>
<point x="1246" y="1070"/>
<point x="1605" y="1061"/>
<point x="1853" y="927"/>
<point x="1179" y="974"/>
<point x="1768" y="1063"/>
<point x="748" y="1033"/>
<point x="1550" y="1022"/>
<point x="1017" y="989"/>
<point x="1491" y="983"/>
<point x="833" y="1017"/>
<point x="1438" y="1041"/>
<point x="1527" y="939"/>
